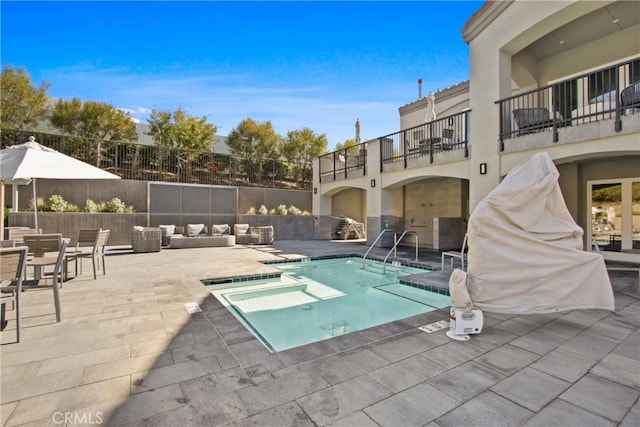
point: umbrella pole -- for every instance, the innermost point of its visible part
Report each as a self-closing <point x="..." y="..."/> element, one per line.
<point x="35" y="205"/>
<point x="2" y="213"/>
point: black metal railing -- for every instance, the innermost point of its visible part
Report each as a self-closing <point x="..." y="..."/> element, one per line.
<point x="607" y="93"/>
<point x="151" y="163"/>
<point x="441" y="135"/>
<point x="340" y="163"/>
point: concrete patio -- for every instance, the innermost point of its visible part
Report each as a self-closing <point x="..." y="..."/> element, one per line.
<point x="128" y="353"/>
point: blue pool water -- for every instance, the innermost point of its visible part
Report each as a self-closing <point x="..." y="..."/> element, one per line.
<point x="321" y="299"/>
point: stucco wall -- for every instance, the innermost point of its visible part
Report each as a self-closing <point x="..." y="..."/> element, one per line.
<point x="427" y="199"/>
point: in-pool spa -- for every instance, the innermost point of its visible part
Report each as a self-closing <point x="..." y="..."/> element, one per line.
<point x="315" y="300"/>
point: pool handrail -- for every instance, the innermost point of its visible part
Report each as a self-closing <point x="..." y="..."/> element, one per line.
<point x="384" y="263"/>
<point x="364" y="258"/>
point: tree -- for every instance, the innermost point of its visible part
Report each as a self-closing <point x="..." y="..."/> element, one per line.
<point x="91" y="119"/>
<point x="22" y="104"/>
<point x="178" y="130"/>
<point x="256" y="142"/>
<point x="347" y="144"/>
<point x="301" y="147"/>
<point x="97" y="120"/>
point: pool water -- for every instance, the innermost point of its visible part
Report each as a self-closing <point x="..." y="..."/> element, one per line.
<point x="321" y="299"/>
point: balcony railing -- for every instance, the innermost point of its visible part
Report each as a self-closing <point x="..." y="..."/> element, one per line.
<point x="426" y="140"/>
<point x="350" y="161"/>
<point x="151" y="163"/>
<point x="607" y="93"/>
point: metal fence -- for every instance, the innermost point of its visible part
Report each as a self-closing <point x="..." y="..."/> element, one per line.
<point x="607" y="93"/>
<point x="341" y="163"/>
<point x="425" y="140"/>
<point x="151" y="163"/>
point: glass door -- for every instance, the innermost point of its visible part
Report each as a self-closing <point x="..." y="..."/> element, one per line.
<point x="614" y="208"/>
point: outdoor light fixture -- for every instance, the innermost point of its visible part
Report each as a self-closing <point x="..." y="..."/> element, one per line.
<point x="483" y="168"/>
<point x="315" y="190"/>
<point x="373" y="183"/>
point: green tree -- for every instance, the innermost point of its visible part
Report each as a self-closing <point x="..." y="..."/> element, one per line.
<point x="300" y="148"/>
<point x="347" y="144"/>
<point x="92" y="119"/>
<point x="22" y="104"/>
<point x="256" y="142"/>
<point x="96" y="120"/>
<point x="188" y="135"/>
<point x="303" y="146"/>
<point x="179" y="130"/>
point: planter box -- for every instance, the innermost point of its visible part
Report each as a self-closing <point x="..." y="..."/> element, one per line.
<point x="285" y="227"/>
<point x="68" y="223"/>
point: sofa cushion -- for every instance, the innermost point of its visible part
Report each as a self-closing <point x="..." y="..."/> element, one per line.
<point x="241" y="229"/>
<point x="220" y="229"/>
<point x="170" y="229"/>
<point x="194" y="229"/>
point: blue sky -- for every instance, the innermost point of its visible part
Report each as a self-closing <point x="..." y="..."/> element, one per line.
<point x="320" y="65"/>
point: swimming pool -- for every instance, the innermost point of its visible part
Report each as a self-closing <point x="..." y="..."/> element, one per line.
<point x="315" y="300"/>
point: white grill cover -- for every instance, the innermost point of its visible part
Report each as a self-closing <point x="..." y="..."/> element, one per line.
<point x="525" y="250"/>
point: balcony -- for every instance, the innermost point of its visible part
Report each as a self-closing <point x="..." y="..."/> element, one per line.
<point x="595" y="105"/>
<point x="436" y="142"/>
<point x="350" y="162"/>
<point x="439" y="141"/>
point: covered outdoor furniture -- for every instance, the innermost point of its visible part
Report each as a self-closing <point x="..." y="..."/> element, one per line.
<point x="241" y="231"/>
<point x="96" y="251"/>
<point x="52" y="281"/>
<point x="12" y="268"/>
<point x="261" y="235"/>
<point x="146" y="239"/>
<point x="456" y="254"/>
<point x="526" y="251"/>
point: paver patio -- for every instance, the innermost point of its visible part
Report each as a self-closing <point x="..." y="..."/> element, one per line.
<point x="127" y="353"/>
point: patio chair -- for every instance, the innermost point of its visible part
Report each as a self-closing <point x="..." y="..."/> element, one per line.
<point x="146" y="239"/>
<point x="12" y="267"/>
<point x="39" y="245"/>
<point x="53" y="281"/>
<point x="455" y="254"/>
<point x="17" y="234"/>
<point x="630" y="96"/>
<point x="98" y="244"/>
<point x="242" y="233"/>
<point x="349" y="228"/>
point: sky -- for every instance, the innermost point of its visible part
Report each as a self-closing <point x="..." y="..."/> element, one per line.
<point x="319" y="65"/>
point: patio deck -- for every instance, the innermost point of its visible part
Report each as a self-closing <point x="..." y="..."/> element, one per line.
<point x="127" y="353"/>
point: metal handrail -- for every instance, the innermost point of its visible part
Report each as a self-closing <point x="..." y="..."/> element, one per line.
<point x="364" y="258"/>
<point x="384" y="262"/>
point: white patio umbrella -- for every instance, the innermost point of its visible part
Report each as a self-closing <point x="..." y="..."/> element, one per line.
<point x="29" y="161"/>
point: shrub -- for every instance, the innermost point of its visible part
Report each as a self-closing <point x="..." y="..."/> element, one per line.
<point x="263" y="210"/>
<point x="251" y="211"/>
<point x="57" y="203"/>
<point x="91" y="206"/>
<point x="116" y="205"/>
<point x="6" y="216"/>
<point x="281" y="210"/>
<point x="294" y="211"/>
